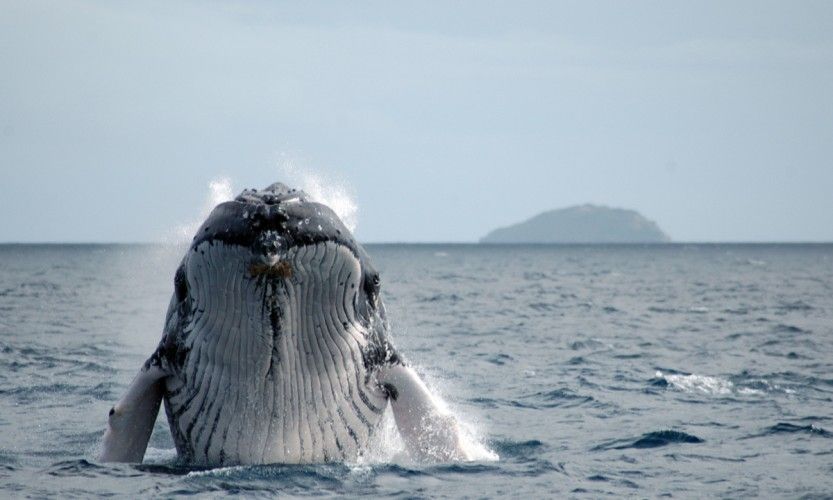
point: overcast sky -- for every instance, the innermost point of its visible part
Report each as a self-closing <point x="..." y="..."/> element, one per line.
<point x="441" y="120"/>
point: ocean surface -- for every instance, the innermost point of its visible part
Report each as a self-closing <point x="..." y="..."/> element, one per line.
<point x="673" y="370"/>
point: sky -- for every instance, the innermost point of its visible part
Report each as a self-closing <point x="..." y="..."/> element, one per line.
<point x="431" y="121"/>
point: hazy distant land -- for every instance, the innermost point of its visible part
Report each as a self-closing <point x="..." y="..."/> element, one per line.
<point x="581" y="224"/>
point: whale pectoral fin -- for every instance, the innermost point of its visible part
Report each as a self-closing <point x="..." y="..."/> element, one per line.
<point x="430" y="431"/>
<point x="131" y="420"/>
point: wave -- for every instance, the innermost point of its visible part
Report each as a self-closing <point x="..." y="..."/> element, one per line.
<point x="694" y="383"/>
<point x="653" y="439"/>
<point x="743" y="385"/>
<point x="526" y="458"/>
<point x="788" y="428"/>
<point x="783" y="427"/>
<point x="559" y="398"/>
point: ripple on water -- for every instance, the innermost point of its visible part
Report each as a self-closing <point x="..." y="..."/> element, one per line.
<point x="788" y="329"/>
<point x="519" y="449"/>
<point x="788" y="428"/>
<point x="797" y="305"/>
<point x="653" y="439"/>
<point x="587" y="344"/>
<point x="559" y="398"/>
<point x="497" y="403"/>
<point x="499" y="359"/>
<point x="525" y="458"/>
<point x="84" y="468"/>
<point x="7" y="470"/>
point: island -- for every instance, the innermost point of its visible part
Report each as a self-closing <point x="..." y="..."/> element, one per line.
<point x="581" y="224"/>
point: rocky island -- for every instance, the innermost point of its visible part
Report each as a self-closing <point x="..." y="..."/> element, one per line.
<point x="581" y="224"/>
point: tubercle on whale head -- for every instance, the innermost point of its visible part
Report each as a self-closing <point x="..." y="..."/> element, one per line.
<point x="274" y="218"/>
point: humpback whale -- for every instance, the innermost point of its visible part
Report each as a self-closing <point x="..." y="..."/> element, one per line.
<point x="275" y="348"/>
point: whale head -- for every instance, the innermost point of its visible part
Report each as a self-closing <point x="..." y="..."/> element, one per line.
<point x="285" y="265"/>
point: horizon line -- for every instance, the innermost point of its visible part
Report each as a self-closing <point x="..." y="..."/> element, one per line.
<point x="463" y="242"/>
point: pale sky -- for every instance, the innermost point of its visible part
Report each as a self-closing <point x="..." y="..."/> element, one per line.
<point x="442" y="120"/>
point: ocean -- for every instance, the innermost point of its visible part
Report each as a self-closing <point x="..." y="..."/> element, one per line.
<point x="589" y="370"/>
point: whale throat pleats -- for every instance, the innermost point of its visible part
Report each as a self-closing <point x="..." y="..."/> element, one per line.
<point x="274" y="369"/>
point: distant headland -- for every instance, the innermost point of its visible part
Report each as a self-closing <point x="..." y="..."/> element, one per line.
<point x="581" y="224"/>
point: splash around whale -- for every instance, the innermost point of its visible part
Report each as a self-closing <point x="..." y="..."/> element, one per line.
<point x="275" y="349"/>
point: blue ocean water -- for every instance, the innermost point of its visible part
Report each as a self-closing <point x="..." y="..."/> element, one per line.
<point x="672" y="370"/>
